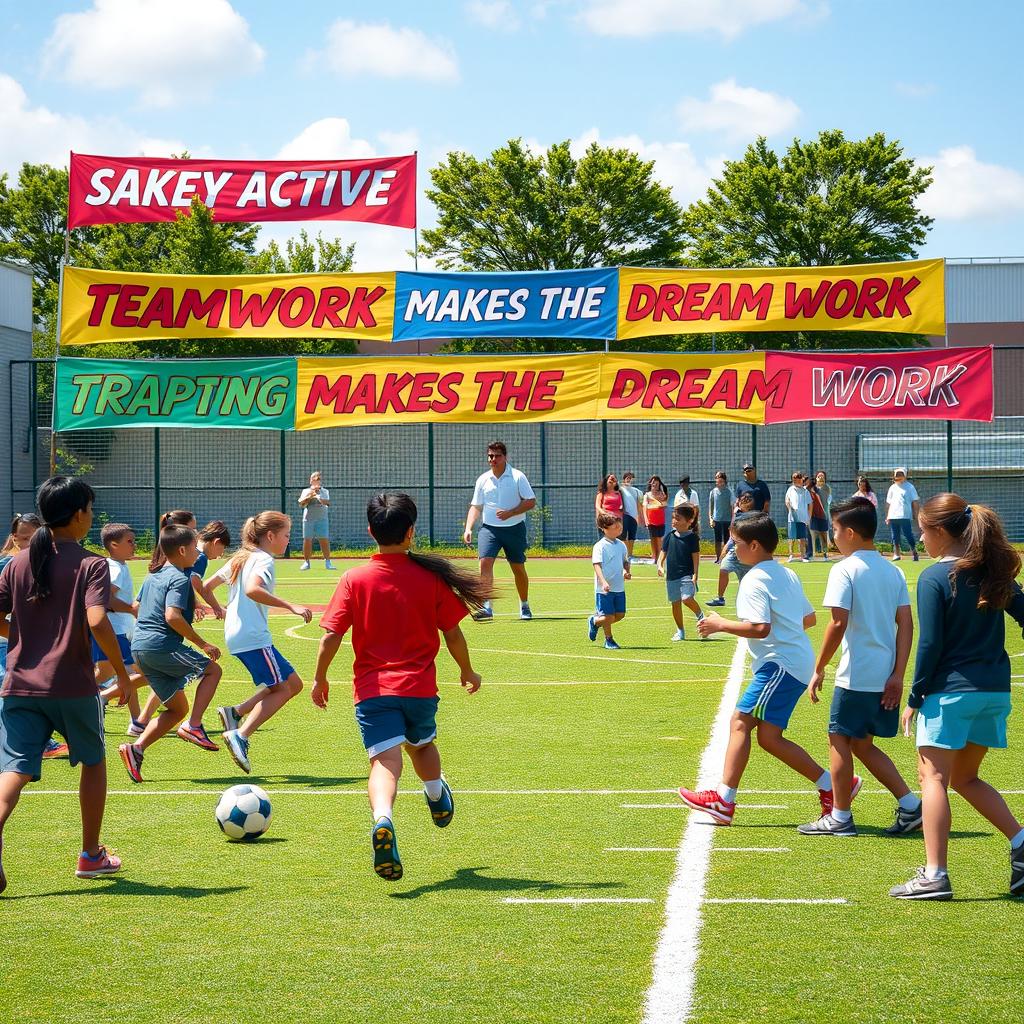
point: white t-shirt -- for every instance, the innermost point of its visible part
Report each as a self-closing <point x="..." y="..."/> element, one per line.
<point x="245" y="621"/>
<point x="685" y="498"/>
<point x="870" y="588"/>
<point x="121" y="588"/>
<point x="314" y="511"/>
<point x="613" y="558"/>
<point x="772" y="593"/>
<point x="798" y="504"/>
<point x="901" y="498"/>
<point x="630" y="500"/>
<point x="503" y="492"/>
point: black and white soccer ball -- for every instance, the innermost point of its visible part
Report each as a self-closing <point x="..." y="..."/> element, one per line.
<point x="243" y="812"/>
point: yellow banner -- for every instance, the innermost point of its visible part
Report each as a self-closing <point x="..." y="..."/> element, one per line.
<point x="445" y="389"/>
<point x="104" y="305"/>
<point x="907" y="297"/>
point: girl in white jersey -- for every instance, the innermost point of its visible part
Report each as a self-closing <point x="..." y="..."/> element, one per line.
<point x="250" y="576"/>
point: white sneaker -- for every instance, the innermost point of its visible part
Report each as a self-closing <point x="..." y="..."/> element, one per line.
<point x="678" y="635"/>
<point x="304" y="567"/>
<point x="327" y="564"/>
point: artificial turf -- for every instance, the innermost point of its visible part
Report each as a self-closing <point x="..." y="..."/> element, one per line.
<point x="296" y="927"/>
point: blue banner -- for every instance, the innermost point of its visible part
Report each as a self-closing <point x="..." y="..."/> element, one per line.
<point x="535" y="304"/>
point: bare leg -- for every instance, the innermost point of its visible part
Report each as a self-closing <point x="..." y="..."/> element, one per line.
<point x="655" y="548"/>
<point x="880" y="765"/>
<point x="629" y="547"/>
<point x="272" y="700"/>
<point x="176" y="710"/>
<point x="935" y="766"/>
<point x="677" y="614"/>
<point x="487" y="571"/>
<point x="205" y="691"/>
<point x="325" y="548"/>
<point x="11" y="785"/>
<point x="841" y="766"/>
<point x="426" y="761"/>
<point x="738" y="752"/>
<point x="723" y="583"/>
<point x="691" y="603"/>
<point x="385" y="771"/>
<point x="105" y="671"/>
<point x="307" y="548"/>
<point x="152" y="703"/>
<point x="770" y="739"/>
<point x="92" y="798"/>
<point x="522" y="580"/>
<point x="985" y="799"/>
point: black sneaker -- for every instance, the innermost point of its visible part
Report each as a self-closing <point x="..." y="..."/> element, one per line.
<point x="1017" y="871"/>
<point x="905" y="821"/>
<point x="921" y="887"/>
<point x="826" y="825"/>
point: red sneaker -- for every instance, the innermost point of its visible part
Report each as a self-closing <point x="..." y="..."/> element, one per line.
<point x="54" y="750"/>
<point x="132" y="761"/>
<point x="709" y="801"/>
<point x="825" y="795"/>
<point x="104" y="863"/>
<point x="196" y="734"/>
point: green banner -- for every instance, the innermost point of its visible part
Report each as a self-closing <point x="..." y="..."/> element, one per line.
<point x="255" y="394"/>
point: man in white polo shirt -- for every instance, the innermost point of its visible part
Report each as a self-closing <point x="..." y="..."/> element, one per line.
<point x="503" y="495"/>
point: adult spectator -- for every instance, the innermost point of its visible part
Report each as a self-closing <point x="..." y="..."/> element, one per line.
<point x="502" y="497"/>
<point x="819" y="518"/>
<point x="901" y="511"/>
<point x="655" y="503"/>
<point x="798" y="516"/>
<point x="865" y="490"/>
<point x="821" y="485"/>
<point x="609" y="497"/>
<point x="315" y="500"/>
<point x="751" y="484"/>
<point x="721" y="503"/>
<point x="632" y="510"/>
<point x="686" y="495"/>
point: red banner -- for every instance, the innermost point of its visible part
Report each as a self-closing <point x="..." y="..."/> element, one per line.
<point x="111" y="190"/>
<point x="937" y="384"/>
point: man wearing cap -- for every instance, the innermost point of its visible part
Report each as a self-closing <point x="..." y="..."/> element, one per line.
<point x="686" y="495"/>
<point x="756" y="488"/>
<point x="901" y="511"/>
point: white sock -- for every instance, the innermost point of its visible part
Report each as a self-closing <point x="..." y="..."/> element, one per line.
<point x="433" y="789"/>
<point x="933" y="874"/>
<point x="912" y="802"/>
<point x="487" y="605"/>
<point x="1017" y="841"/>
<point x="825" y="782"/>
<point x="382" y="810"/>
<point x="727" y="793"/>
<point x="523" y="604"/>
<point x="841" y="816"/>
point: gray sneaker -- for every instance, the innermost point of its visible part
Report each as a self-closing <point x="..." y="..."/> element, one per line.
<point x="826" y="825"/>
<point x="524" y="612"/>
<point x="238" y="748"/>
<point x="1017" y="871"/>
<point x="905" y="821"/>
<point x="922" y="888"/>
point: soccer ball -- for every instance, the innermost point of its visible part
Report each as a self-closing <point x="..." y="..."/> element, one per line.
<point x="243" y="812"/>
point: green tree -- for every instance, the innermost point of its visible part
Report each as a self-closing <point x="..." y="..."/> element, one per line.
<point x="304" y="255"/>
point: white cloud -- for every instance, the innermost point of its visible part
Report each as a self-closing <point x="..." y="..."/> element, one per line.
<point x="378" y="49"/>
<point x="168" y="51"/>
<point x="330" y="138"/>
<point x="729" y="18"/>
<point x="738" y="112"/>
<point x="494" y="14"/>
<point x="965" y="188"/>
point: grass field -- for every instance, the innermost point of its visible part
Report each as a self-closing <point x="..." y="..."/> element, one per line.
<point x="566" y="758"/>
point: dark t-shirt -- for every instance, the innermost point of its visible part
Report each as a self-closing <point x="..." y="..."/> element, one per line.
<point x="679" y="551"/>
<point x="168" y="587"/>
<point x="50" y="653"/>
<point x="758" y="490"/>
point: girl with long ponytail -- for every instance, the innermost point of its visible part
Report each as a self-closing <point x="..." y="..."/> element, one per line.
<point x="395" y="607"/>
<point x="961" y="692"/>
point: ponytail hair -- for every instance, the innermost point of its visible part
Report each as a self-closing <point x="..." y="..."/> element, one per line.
<point x="254" y="530"/>
<point x="176" y="517"/>
<point x="58" y="498"/>
<point x="390" y="517"/>
<point x="987" y="551"/>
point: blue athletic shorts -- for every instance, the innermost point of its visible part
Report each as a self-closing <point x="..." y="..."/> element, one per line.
<point x="123" y="643"/>
<point x="952" y="720"/>
<point x="267" y="666"/>
<point x="797" y="531"/>
<point x="772" y="695"/>
<point x="387" y="722"/>
<point x="656" y="529"/>
<point x="27" y="723"/>
<point x="859" y="714"/>
<point x="491" y="541"/>
<point x="316" y="529"/>
<point x="167" y="672"/>
<point x="612" y="603"/>
<point x="730" y="563"/>
<point x="629" y="525"/>
<point x="681" y="589"/>
<point x="722" y="531"/>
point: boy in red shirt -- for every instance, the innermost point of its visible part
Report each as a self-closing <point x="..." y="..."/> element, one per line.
<point x="395" y="607"/>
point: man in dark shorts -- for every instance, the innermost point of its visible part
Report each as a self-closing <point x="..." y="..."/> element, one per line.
<point x="756" y="488"/>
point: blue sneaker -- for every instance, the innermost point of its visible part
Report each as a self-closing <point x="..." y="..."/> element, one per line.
<point x="716" y="602"/>
<point x="386" y="861"/>
<point x="591" y="629"/>
<point x="442" y="810"/>
<point x="611" y="645"/>
<point x="238" y="748"/>
<point x="483" y="615"/>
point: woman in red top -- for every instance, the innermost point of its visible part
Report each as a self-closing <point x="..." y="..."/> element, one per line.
<point x="609" y="497"/>
<point x="655" y="502"/>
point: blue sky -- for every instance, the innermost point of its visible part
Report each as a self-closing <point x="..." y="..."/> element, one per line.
<point x="686" y="83"/>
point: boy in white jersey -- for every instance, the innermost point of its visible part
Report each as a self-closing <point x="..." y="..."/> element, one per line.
<point x="870" y="615"/>
<point x="611" y="570"/>
<point x="774" y="616"/>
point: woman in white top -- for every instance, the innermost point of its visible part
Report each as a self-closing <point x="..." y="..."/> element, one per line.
<point x="314" y="501"/>
<point x="901" y="510"/>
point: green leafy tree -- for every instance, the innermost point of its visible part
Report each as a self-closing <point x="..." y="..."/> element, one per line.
<point x="304" y="255"/>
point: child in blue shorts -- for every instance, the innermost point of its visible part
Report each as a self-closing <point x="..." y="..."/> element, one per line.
<point x="774" y="614"/>
<point x="611" y="569"/>
<point x="679" y="563"/>
<point x="250" y="575"/>
<point x="961" y="692"/>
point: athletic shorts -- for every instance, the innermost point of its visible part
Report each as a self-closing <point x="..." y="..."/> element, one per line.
<point x="387" y="722"/>
<point x="819" y="525"/>
<point x="491" y="541"/>
<point x="612" y="603"/>
<point x="730" y="563"/>
<point x="797" y="531"/>
<point x="656" y="529"/>
<point x="681" y="589"/>
<point x="316" y="529"/>
<point x="167" y="672"/>
<point x="952" y="720"/>
<point x="267" y="666"/>
<point x="859" y="714"/>
<point x="124" y="645"/>
<point x="722" y="530"/>
<point x="772" y="695"/>
<point x="629" y="526"/>
<point x="27" y="723"/>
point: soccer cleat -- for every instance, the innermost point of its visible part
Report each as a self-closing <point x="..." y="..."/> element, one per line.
<point x="229" y="717"/>
<point x="524" y="612"/>
<point x="611" y="645"/>
<point x="386" y="861"/>
<point x="304" y="567"/>
<point x="132" y="760"/>
<point x="136" y="728"/>
<point x="826" y="798"/>
<point x="905" y="821"/>
<point x="442" y="810"/>
<point x="711" y="803"/>
<point x="591" y="629"/>
<point x="196" y="734"/>
<point x="716" y="602"/>
<point x="678" y="635"/>
<point x="920" y="887"/>
<point x="104" y="863"/>
<point x="826" y="825"/>
<point x="1017" y="871"/>
<point x="238" y="748"/>
<point x="55" y="750"/>
<point x="483" y="615"/>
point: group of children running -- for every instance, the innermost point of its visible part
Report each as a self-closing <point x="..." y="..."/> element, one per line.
<point x="57" y="600"/>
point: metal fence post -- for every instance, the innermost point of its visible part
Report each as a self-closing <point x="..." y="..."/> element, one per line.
<point x="949" y="455"/>
<point x="33" y="399"/>
<point x="430" y="483"/>
<point x="810" y="447"/>
<point x="156" y="485"/>
<point x="283" y="462"/>
<point x="753" y="444"/>
<point x="604" y="448"/>
<point x="543" y="485"/>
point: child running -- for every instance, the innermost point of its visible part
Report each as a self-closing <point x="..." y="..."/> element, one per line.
<point x="250" y="575"/>
<point x="395" y="606"/>
<point x="774" y="613"/>
<point x="611" y="570"/>
<point x="961" y="692"/>
<point x="679" y="563"/>
<point x="870" y="615"/>
<point x="55" y="593"/>
<point x="166" y="607"/>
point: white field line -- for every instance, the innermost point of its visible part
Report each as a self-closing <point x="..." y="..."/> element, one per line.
<point x="755" y="899"/>
<point x="575" y="900"/>
<point x="670" y="996"/>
